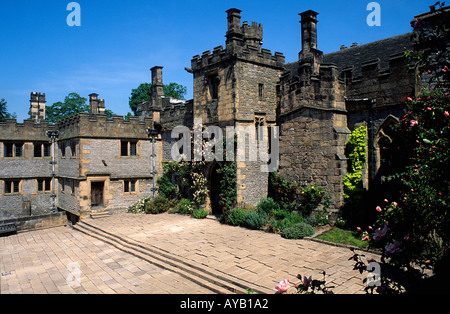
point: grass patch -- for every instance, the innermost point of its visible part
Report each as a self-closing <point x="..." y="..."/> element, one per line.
<point x="337" y="235"/>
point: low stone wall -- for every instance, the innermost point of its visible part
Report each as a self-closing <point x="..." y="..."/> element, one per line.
<point x="38" y="222"/>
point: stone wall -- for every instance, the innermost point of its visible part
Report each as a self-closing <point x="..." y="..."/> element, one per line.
<point x="25" y="169"/>
<point x="313" y="123"/>
<point x="24" y="224"/>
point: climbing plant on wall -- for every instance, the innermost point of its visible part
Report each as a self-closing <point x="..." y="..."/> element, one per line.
<point x="356" y="152"/>
<point x="228" y="186"/>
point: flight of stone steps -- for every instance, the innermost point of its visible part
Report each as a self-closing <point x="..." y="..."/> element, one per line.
<point x="207" y="277"/>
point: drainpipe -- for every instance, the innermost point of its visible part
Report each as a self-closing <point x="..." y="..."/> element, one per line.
<point x="53" y="135"/>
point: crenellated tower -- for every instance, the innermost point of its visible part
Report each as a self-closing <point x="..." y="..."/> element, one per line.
<point x="237" y="86"/>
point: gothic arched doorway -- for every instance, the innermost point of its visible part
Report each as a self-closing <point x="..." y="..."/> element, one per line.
<point x="214" y="183"/>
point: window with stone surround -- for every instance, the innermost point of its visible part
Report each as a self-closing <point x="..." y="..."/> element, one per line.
<point x="44" y="185"/>
<point x="73" y="148"/>
<point x="129" y="186"/>
<point x="11" y="186"/>
<point x="42" y="150"/>
<point x="62" y="147"/>
<point x="11" y="150"/>
<point x="260" y="121"/>
<point x="128" y="148"/>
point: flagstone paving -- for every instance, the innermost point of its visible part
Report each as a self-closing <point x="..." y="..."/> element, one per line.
<point x="40" y="261"/>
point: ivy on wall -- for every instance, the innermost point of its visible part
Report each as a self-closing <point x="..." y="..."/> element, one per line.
<point x="356" y="152"/>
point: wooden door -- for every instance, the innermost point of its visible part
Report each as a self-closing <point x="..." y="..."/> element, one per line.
<point x="97" y="194"/>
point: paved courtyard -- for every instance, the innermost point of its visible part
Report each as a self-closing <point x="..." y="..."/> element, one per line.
<point x="64" y="260"/>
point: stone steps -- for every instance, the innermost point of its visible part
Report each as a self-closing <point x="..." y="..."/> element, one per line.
<point x="99" y="214"/>
<point x="201" y="274"/>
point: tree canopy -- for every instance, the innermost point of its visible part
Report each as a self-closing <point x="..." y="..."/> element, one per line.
<point x="144" y="93"/>
<point x="72" y="105"/>
<point x="4" y="114"/>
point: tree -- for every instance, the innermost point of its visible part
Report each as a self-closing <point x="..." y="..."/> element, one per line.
<point x="72" y="105"/>
<point x="144" y="93"/>
<point x="175" y="90"/>
<point x="4" y="114"/>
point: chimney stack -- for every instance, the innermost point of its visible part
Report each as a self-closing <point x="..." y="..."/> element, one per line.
<point x="310" y="54"/>
<point x="157" y="91"/>
<point x="234" y="20"/>
<point x="234" y="34"/>
<point x="37" y="106"/>
<point x="96" y="106"/>
<point x="309" y="30"/>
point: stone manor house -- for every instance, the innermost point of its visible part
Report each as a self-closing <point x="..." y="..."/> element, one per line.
<point x="106" y="164"/>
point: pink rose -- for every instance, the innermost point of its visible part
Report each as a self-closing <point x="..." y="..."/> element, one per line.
<point x="446" y="113"/>
<point x="409" y="99"/>
<point x="414" y="123"/>
<point x="395" y="204"/>
<point x="283" y="286"/>
<point x="379" y="209"/>
<point x="445" y="69"/>
<point x="380" y="233"/>
<point x="393" y="248"/>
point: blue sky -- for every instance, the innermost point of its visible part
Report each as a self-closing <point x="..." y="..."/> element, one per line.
<point x="119" y="41"/>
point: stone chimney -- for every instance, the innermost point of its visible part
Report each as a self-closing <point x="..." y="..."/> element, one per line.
<point x="310" y="54"/>
<point x="37" y="106"/>
<point x="234" y="34"/>
<point x="157" y="87"/>
<point x="157" y="92"/>
<point x="309" y="30"/>
<point x="96" y="106"/>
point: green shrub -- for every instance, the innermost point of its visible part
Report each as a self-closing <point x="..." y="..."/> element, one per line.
<point x="158" y="205"/>
<point x="298" y="231"/>
<point x="283" y="191"/>
<point x="267" y="205"/>
<point x="311" y="198"/>
<point x="255" y="220"/>
<point x="166" y="187"/>
<point x="290" y="219"/>
<point x="139" y="206"/>
<point x="280" y="214"/>
<point x="318" y="220"/>
<point x="184" y="207"/>
<point x="236" y="216"/>
<point x="200" y="213"/>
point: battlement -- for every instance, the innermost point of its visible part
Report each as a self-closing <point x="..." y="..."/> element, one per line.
<point x="248" y="53"/>
<point x="253" y="34"/>
<point x="99" y="126"/>
<point x="243" y="42"/>
<point x="376" y="70"/>
<point x="302" y="87"/>
<point x="177" y="113"/>
<point x="29" y="130"/>
<point x="37" y="97"/>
